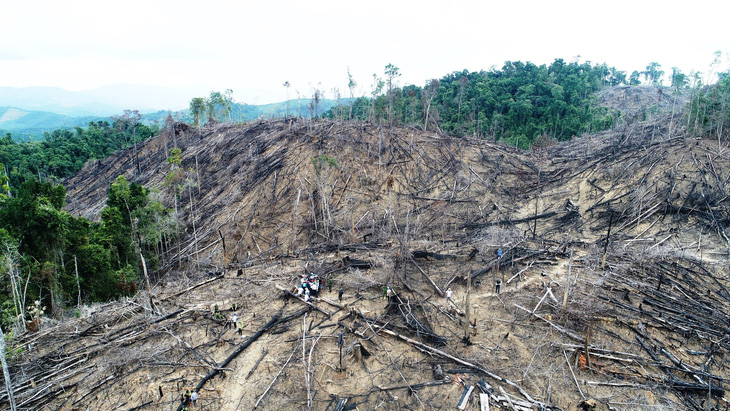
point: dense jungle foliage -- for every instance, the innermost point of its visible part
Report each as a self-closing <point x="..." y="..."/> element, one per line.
<point x="64" y="261"/>
<point x="64" y="152"/>
<point x="518" y="104"/>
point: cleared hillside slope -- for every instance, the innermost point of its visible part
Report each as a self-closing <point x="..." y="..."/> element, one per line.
<point x="630" y="225"/>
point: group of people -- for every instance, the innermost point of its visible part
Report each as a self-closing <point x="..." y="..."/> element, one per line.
<point x="309" y="286"/>
<point x="389" y="293"/>
<point x="189" y="399"/>
<point x="233" y="322"/>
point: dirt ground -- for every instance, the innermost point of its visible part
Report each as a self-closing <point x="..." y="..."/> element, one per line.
<point x="613" y="295"/>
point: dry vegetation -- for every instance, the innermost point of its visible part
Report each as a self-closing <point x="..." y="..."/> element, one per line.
<point x="614" y="294"/>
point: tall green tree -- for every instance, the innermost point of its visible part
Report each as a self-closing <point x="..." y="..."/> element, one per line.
<point x="58" y="259"/>
<point x="351" y="84"/>
<point x="14" y="301"/>
<point x="679" y="79"/>
<point x="709" y="110"/>
<point x="119" y="222"/>
<point x="64" y="152"/>
<point x="391" y="75"/>
<point x="4" y="183"/>
<point x="35" y="217"/>
<point x="635" y="78"/>
<point x="172" y="180"/>
<point x="129" y="121"/>
<point x="376" y="90"/>
<point x="197" y="109"/>
<point x="219" y="105"/>
<point x="653" y="73"/>
<point x="287" y="86"/>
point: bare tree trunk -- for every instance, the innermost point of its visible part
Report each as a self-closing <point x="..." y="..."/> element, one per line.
<point x="539" y="192"/>
<point x="428" y="108"/>
<point x="177" y="230"/>
<point x="78" y="283"/>
<point x="671" y="119"/>
<point x="147" y="280"/>
<point x="136" y="154"/>
<point x="304" y="360"/>
<point x="608" y="238"/>
<point x="223" y="241"/>
<point x="567" y="282"/>
<point x="197" y="172"/>
<point x="192" y="218"/>
<point x="6" y="373"/>
<point x="293" y="215"/>
<point x="467" y="309"/>
<point x="14" y="283"/>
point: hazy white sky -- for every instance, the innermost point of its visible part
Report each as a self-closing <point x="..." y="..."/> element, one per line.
<point x="253" y="47"/>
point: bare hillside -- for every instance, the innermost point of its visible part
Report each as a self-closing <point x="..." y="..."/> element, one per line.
<point x="641" y="102"/>
<point x="613" y="271"/>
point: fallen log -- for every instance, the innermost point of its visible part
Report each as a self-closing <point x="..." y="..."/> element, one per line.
<point x="464" y="400"/>
<point x="341" y="403"/>
<point x="656" y="360"/>
<point x="263" y="354"/>
<point x="410" y="387"/>
<point x="484" y="402"/>
<point x="355" y="263"/>
<point x="94" y="388"/>
<point x="192" y="287"/>
<point x="435" y="287"/>
<point x="557" y="327"/>
<point x="435" y="351"/>
<point x="275" y="378"/>
<point x="457" y="360"/>
<point x="428" y="255"/>
<point x="504" y="222"/>
<point x="509" y="401"/>
<point x="291" y="294"/>
<point x="275" y="320"/>
<point x="696" y="388"/>
<point x="139" y="407"/>
<point x="392" y="361"/>
<point x="458" y="311"/>
<point x="683" y="367"/>
<point x="615" y="384"/>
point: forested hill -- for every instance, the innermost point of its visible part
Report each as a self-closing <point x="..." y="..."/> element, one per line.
<point x="517" y="104"/>
<point x="28" y="125"/>
<point x="64" y="152"/>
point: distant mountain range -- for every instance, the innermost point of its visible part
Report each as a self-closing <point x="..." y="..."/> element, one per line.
<point x="103" y="101"/>
<point x="25" y="125"/>
<point x="29" y="112"/>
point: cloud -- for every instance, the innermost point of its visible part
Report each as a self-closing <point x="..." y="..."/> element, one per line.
<point x="258" y="45"/>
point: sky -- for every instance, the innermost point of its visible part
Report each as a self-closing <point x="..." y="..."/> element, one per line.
<point x="254" y="47"/>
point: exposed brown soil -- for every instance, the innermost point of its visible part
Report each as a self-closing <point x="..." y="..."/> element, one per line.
<point x="650" y="296"/>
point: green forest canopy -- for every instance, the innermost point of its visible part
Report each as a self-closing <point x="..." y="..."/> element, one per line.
<point x="64" y="152"/>
<point x="60" y="260"/>
<point x="515" y="104"/>
<point x="519" y="104"/>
